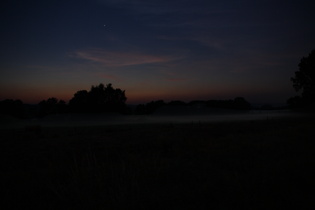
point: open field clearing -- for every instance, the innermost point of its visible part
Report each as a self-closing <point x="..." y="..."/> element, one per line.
<point x="248" y="164"/>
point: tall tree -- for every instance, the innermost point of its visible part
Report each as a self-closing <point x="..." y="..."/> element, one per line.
<point x="100" y="98"/>
<point x="304" y="79"/>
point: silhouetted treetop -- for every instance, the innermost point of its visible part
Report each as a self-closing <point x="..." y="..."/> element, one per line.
<point x="150" y="107"/>
<point x="239" y="103"/>
<point x="100" y="98"/>
<point x="304" y="79"/>
<point x="52" y="106"/>
<point x="176" y="103"/>
<point x="12" y="107"/>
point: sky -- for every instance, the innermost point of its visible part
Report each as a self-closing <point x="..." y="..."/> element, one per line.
<point x="154" y="49"/>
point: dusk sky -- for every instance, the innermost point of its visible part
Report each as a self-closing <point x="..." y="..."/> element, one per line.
<point x="154" y="49"/>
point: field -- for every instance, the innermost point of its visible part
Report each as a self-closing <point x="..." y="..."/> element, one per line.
<point x="251" y="164"/>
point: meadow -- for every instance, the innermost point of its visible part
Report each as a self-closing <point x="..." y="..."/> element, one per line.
<point x="251" y="164"/>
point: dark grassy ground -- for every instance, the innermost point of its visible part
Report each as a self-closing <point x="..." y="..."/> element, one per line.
<point x="238" y="165"/>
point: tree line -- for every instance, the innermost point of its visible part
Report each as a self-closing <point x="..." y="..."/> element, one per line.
<point x="101" y="98"/>
<point x="239" y="103"/>
<point x="98" y="99"/>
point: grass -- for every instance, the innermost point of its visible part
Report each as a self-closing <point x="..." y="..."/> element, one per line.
<point x="266" y="164"/>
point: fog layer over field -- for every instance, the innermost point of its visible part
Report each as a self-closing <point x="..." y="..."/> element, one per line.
<point x="161" y="116"/>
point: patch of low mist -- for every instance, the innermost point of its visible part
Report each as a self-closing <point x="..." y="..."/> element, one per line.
<point x="162" y="116"/>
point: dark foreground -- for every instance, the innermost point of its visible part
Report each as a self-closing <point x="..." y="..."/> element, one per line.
<point x="266" y="164"/>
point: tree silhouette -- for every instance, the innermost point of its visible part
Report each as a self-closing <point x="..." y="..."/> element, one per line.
<point x="79" y="103"/>
<point x="12" y="107"/>
<point x="304" y="80"/>
<point x="241" y="104"/>
<point x="52" y="106"/>
<point x="177" y="103"/>
<point x="99" y="99"/>
<point x="295" y="102"/>
<point x="149" y="108"/>
<point x="238" y="103"/>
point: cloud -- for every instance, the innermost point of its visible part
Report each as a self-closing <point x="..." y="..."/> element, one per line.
<point x="116" y="59"/>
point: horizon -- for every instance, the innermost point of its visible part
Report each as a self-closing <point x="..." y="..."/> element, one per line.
<point x="253" y="104"/>
<point x="157" y="50"/>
